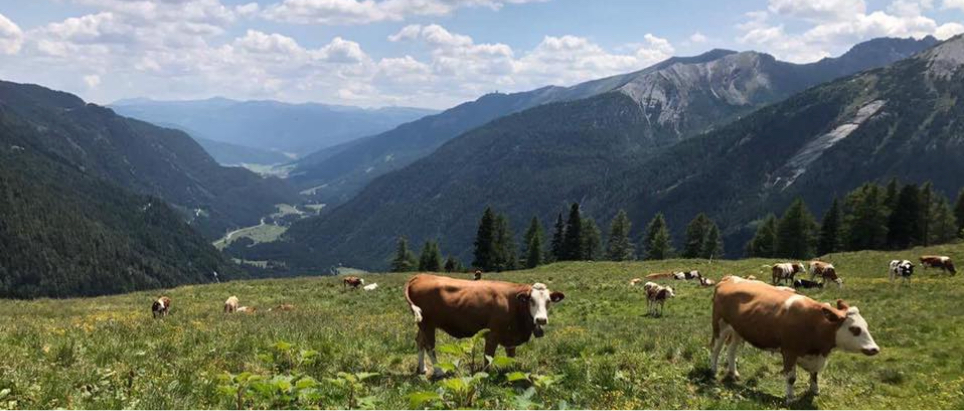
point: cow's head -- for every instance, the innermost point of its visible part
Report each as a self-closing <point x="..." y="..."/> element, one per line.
<point x="853" y="334"/>
<point x="950" y="266"/>
<point x="537" y="300"/>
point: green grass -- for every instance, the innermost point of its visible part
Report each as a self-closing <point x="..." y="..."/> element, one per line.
<point x="108" y="353"/>
<point x="262" y="233"/>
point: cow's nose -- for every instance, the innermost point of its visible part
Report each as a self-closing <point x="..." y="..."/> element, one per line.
<point x="542" y="320"/>
<point x="871" y="351"/>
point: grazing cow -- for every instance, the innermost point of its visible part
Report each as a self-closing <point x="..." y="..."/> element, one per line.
<point x="706" y="282"/>
<point x="478" y="275"/>
<point x="247" y="310"/>
<point x="785" y="272"/>
<point x="656" y="296"/>
<point x="353" y="282"/>
<point x="901" y="268"/>
<point x="801" y="283"/>
<point x="161" y="307"/>
<point x="512" y="312"/>
<point x="825" y="271"/>
<point x="634" y="282"/>
<point x="283" y="307"/>
<point x="231" y="304"/>
<point x="370" y="287"/>
<point x="804" y="331"/>
<point x="687" y="275"/>
<point x="938" y="261"/>
<point x="656" y="276"/>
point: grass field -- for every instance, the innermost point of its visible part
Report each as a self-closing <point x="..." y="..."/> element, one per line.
<point x="600" y="350"/>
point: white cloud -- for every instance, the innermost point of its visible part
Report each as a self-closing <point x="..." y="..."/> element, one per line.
<point x="11" y="37"/>
<point x="92" y="81"/>
<point x="334" y="12"/>
<point x="698" y="38"/>
<point x="818" y="10"/>
<point x="953" y="4"/>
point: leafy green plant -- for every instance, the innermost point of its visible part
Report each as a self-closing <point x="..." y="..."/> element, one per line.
<point x="353" y="385"/>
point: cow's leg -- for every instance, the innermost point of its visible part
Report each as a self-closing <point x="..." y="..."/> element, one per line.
<point x="420" y="343"/>
<point x="790" y="372"/>
<point x="814" y="388"/>
<point x="731" y="352"/>
<point x="719" y="338"/>
<point x="491" y="344"/>
<point x="510" y="352"/>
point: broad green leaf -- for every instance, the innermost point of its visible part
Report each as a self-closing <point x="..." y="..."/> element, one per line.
<point x="417" y="400"/>
<point x="516" y="376"/>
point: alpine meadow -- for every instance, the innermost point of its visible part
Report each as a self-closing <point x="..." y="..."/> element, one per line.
<point x="481" y="204"/>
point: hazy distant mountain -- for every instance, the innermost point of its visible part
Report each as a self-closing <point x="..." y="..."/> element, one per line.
<point x="633" y="147"/>
<point x="269" y="125"/>
<point x="677" y="98"/>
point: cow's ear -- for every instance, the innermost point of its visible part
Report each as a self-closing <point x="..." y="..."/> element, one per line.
<point x="556" y="296"/>
<point x="832" y="315"/>
<point x="523" y="296"/>
<point x="842" y="305"/>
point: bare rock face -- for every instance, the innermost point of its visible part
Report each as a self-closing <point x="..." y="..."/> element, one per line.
<point x="946" y="59"/>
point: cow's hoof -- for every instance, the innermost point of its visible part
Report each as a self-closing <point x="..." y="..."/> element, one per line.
<point x="732" y="376"/>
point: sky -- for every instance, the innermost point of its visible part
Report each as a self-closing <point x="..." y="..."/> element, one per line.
<point x="420" y="53"/>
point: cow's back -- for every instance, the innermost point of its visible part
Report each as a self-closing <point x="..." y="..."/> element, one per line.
<point x="754" y="309"/>
<point x="461" y="307"/>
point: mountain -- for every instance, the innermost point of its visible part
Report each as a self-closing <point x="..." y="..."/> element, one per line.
<point x="144" y="159"/>
<point x="622" y="149"/>
<point x="233" y="154"/>
<point x="66" y="232"/>
<point x="679" y="97"/>
<point x="298" y="129"/>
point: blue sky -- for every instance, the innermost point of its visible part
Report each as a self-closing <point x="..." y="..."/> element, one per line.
<point x="429" y="53"/>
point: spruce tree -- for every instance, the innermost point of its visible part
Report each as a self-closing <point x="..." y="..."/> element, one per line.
<point x="795" y="232"/>
<point x="532" y="244"/>
<point x="959" y="212"/>
<point x="943" y="227"/>
<point x="485" y="242"/>
<point x="866" y="219"/>
<point x="696" y="232"/>
<point x="763" y="242"/>
<point x="926" y="205"/>
<point x="572" y="241"/>
<point x="830" y="227"/>
<point x="431" y="258"/>
<point x="890" y="198"/>
<point x="591" y="240"/>
<point x="904" y="225"/>
<point x="404" y="260"/>
<point x="658" y="242"/>
<point x="506" y="258"/>
<point x="713" y="246"/>
<point x="558" y="237"/>
<point x="453" y="265"/>
<point x="619" y="246"/>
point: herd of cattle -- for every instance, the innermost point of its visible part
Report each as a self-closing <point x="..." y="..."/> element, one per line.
<point x="770" y="316"/>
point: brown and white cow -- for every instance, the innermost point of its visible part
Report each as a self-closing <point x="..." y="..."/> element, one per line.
<point x="161" y="307"/>
<point x="804" y="331"/>
<point x="353" y="282"/>
<point x="231" y="304"/>
<point x="247" y="310"/>
<point x="512" y="312"/>
<point x="785" y="272"/>
<point x="656" y="276"/>
<point x="656" y="296"/>
<point x="938" y="261"/>
<point x="478" y="275"/>
<point x="706" y="282"/>
<point x="825" y="271"/>
<point x="283" y="307"/>
<point x="634" y="282"/>
<point x="687" y="275"/>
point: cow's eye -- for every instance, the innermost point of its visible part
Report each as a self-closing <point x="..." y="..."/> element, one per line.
<point x="855" y="331"/>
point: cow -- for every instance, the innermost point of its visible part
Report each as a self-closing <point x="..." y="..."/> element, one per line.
<point x="706" y="282"/>
<point x="161" y="307"/>
<point x="785" y="272"/>
<point x="938" y="261"/>
<point x="825" y="271"/>
<point x="512" y="313"/>
<point x="370" y="287"/>
<point x="901" y="268"/>
<point x="247" y="310"/>
<point x="283" y="307"/>
<point x="634" y="282"/>
<point x="656" y="276"/>
<point x="656" y="296"/>
<point x="478" y="275"/>
<point x="231" y="305"/>
<point x="804" y="331"/>
<point x="353" y="282"/>
<point x="801" y="283"/>
<point x="687" y="275"/>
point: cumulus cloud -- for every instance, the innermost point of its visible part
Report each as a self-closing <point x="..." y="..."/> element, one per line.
<point x="698" y="38"/>
<point x="11" y="37"/>
<point x="347" y="12"/>
<point x="953" y="4"/>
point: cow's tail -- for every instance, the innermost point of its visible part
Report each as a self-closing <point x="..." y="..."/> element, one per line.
<point x="417" y="312"/>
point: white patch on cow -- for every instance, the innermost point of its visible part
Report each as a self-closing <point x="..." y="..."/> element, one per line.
<point x="790" y="301"/>
<point x="539" y="304"/>
<point x="863" y="341"/>
<point x="161" y="304"/>
<point x="371" y="287"/>
<point x="417" y="312"/>
<point x="812" y="363"/>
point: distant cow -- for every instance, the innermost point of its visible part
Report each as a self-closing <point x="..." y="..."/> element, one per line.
<point x="785" y="272"/>
<point x="370" y="287"/>
<point x="353" y="282"/>
<point x="901" y="268"/>
<point x="687" y="275"/>
<point x="512" y="312"/>
<point x="656" y="276"/>
<point x="161" y="307"/>
<point x="478" y="275"/>
<point x="634" y="282"/>
<point x="706" y="282"/>
<point x="938" y="261"/>
<point x="231" y="304"/>
<point x="656" y="296"/>
<point x="801" y="283"/>
<point x="804" y="331"/>
<point x="247" y="310"/>
<point x="283" y="307"/>
<point x="825" y="271"/>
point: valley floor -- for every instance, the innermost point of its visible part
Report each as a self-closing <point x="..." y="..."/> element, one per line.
<point x="600" y="348"/>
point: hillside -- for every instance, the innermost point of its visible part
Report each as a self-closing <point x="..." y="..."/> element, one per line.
<point x="65" y="232"/>
<point x="675" y="99"/>
<point x="144" y="158"/>
<point x="269" y="125"/>
<point x="600" y="348"/>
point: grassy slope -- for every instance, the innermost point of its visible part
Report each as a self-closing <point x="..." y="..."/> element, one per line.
<point x="610" y="354"/>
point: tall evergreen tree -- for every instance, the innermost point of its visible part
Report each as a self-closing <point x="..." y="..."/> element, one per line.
<point x="619" y="246"/>
<point x="453" y="265"/>
<point x="795" y="232"/>
<point x="572" y="242"/>
<point x="830" y="230"/>
<point x="763" y="243"/>
<point x="866" y="219"/>
<point x="532" y="244"/>
<point x="558" y="238"/>
<point x="696" y="232"/>
<point x="404" y="260"/>
<point x="904" y="225"/>
<point x="944" y="226"/>
<point x="713" y="246"/>
<point x="926" y="205"/>
<point x="959" y="212"/>
<point x="658" y="242"/>
<point x="591" y="240"/>
<point x="485" y="253"/>
<point x="431" y="258"/>
<point x="893" y="191"/>
<point x="506" y="258"/>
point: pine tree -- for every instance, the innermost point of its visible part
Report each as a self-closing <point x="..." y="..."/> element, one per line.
<point x="558" y="237"/>
<point x="959" y="212"/>
<point x="404" y="260"/>
<point x="591" y="240"/>
<point x="904" y="226"/>
<point x="453" y="265"/>
<point x="658" y="242"/>
<point x="763" y="242"/>
<point x="830" y="228"/>
<point x="713" y="246"/>
<point x="890" y="198"/>
<point x="431" y="258"/>
<point x="532" y="244"/>
<point x="505" y="246"/>
<point x="619" y="246"/>
<point x="943" y="228"/>
<point x="485" y="242"/>
<point x="926" y="204"/>
<point x="572" y="242"/>
<point x="795" y="232"/>
<point x="866" y="219"/>
<point x="696" y="232"/>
